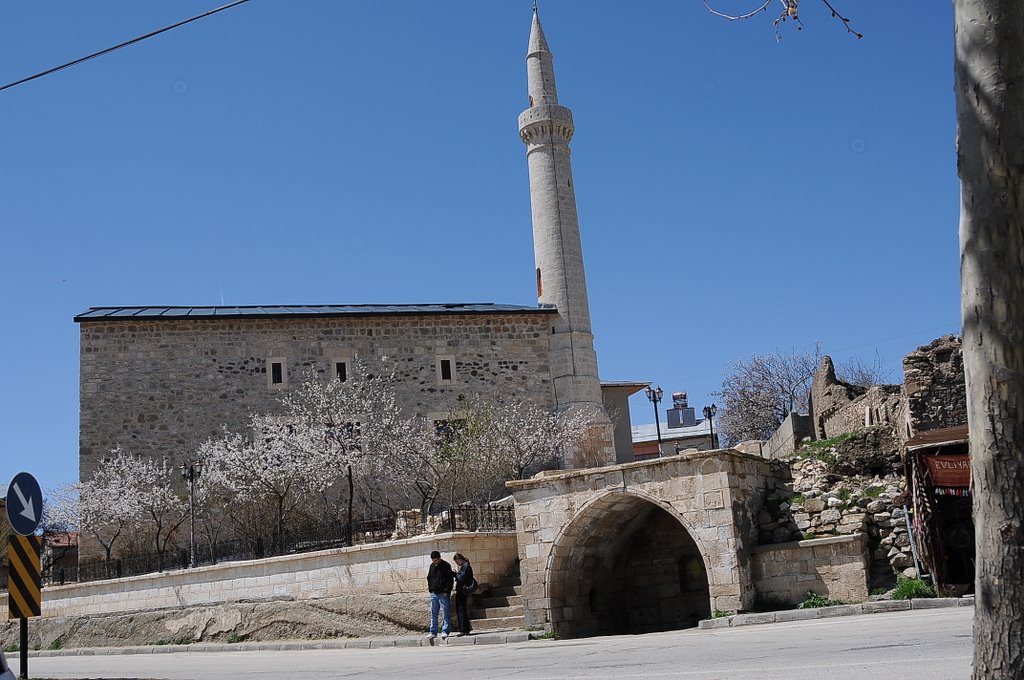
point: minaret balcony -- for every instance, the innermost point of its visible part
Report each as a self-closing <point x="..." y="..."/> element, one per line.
<point x="544" y="120"/>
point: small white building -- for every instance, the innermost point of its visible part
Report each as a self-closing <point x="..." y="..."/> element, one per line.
<point x="673" y="439"/>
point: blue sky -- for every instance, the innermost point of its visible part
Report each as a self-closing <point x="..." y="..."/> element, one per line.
<point x="736" y="195"/>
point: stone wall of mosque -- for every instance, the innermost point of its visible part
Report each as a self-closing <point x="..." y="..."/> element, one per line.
<point x="159" y="388"/>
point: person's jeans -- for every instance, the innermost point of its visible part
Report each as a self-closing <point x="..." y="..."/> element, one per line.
<point x="440" y="601"/>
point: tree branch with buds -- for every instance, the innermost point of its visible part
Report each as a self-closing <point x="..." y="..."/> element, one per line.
<point x="790" y="11"/>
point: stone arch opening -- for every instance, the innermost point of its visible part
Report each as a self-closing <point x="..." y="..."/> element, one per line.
<point x="625" y="565"/>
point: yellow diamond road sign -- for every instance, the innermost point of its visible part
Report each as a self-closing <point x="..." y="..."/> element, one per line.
<point x="24" y="586"/>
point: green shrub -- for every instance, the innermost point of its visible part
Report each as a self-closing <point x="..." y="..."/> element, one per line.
<point x="820" y="450"/>
<point x="843" y="495"/>
<point x="235" y="638"/>
<point x="797" y="499"/>
<point x="813" y="601"/>
<point x="908" y="588"/>
<point x="55" y="643"/>
<point x="719" y="614"/>
<point x="874" y="491"/>
<point x="546" y="635"/>
<point x="11" y="648"/>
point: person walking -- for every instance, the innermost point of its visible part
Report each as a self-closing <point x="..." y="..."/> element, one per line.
<point x="440" y="580"/>
<point x="465" y="584"/>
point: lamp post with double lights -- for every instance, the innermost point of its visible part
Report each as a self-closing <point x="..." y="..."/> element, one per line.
<point x="709" y="414"/>
<point x="190" y="472"/>
<point x="655" y="396"/>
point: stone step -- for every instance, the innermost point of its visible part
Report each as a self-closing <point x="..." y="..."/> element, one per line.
<point x="504" y="623"/>
<point x="503" y="591"/>
<point x="503" y="601"/>
<point x="510" y="581"/>
<point x="496" y="612"/>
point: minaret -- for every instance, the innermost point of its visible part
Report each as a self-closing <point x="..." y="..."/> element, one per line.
<point x="546" y="128"/>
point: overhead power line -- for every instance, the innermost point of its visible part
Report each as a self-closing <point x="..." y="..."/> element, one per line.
<point x="124" y="44"/>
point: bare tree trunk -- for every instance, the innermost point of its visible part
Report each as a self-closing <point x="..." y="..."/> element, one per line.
<point x="351" y="493"/>
<point x="280" y="525"/>
<point x="990" y="116"/>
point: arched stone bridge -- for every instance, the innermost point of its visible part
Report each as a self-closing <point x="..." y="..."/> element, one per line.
<point x="639" y="547"/>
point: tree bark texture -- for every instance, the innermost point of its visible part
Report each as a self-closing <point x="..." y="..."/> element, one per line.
<point x="990" y="148"/>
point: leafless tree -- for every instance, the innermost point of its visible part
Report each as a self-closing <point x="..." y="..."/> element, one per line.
<point x="758" y="393"/>
<point x="790" y="12"/>
<point x="863" y="374"/>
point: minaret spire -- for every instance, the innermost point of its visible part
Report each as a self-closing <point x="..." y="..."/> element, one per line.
<point x="546" y="128"/>
<point x="540" y="68"/>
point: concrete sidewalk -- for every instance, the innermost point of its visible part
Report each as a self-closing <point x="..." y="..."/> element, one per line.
<point x="508" y="637"/>
<point x="876" y="607"/>
<point x="490" y="638"/>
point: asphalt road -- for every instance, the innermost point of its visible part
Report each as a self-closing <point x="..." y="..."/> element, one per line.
<point x="913" y="645"/>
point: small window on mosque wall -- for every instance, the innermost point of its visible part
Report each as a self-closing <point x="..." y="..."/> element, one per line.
<point x="540" y="285"/>
<point x="339" y="365"/>
<point x="277" y="372"/>
<point x="445" y="368"/>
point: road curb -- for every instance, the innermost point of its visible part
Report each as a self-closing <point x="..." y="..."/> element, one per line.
<point x="500" y="638"/>
<point x="877" y="607"/>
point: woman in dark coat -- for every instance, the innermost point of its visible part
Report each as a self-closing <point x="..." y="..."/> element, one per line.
<point x="464" y="585"/>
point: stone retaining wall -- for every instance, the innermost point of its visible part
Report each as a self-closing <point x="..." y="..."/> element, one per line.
<point x="836" y="567"/>
<point x="396" y="567"/>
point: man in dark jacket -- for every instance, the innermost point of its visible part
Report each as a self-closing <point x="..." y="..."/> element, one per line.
<point x="440" y="580"/>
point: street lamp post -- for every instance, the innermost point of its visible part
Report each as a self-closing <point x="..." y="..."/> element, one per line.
<point x="655" y="396"/>
<point x="190" y="472"/>
<point x="709" y="414"/>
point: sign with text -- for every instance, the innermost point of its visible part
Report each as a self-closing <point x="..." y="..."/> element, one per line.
<point x="949" y="470"/>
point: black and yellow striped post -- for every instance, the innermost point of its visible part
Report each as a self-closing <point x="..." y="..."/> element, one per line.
<point x="24" y="587"/>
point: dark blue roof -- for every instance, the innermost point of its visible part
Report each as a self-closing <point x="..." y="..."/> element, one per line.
<point x="300" y="311"/>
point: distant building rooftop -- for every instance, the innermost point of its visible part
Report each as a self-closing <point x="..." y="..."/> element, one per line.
<point x="631" y="387"/>
<point x="299" y="311"/>
<point x="647" y="432"/>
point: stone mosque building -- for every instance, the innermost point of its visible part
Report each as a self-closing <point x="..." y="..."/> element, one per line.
<point x="630" y="546"/>
<point x="160" y="380"/>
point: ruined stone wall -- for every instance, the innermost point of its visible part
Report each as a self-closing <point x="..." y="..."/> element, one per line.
<point x="880" y="405"/>
<point x="935" y="385"/>
<point x="817" y="503"/>
<point x="839" y="407"/>
<point x="160" y="387"/>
